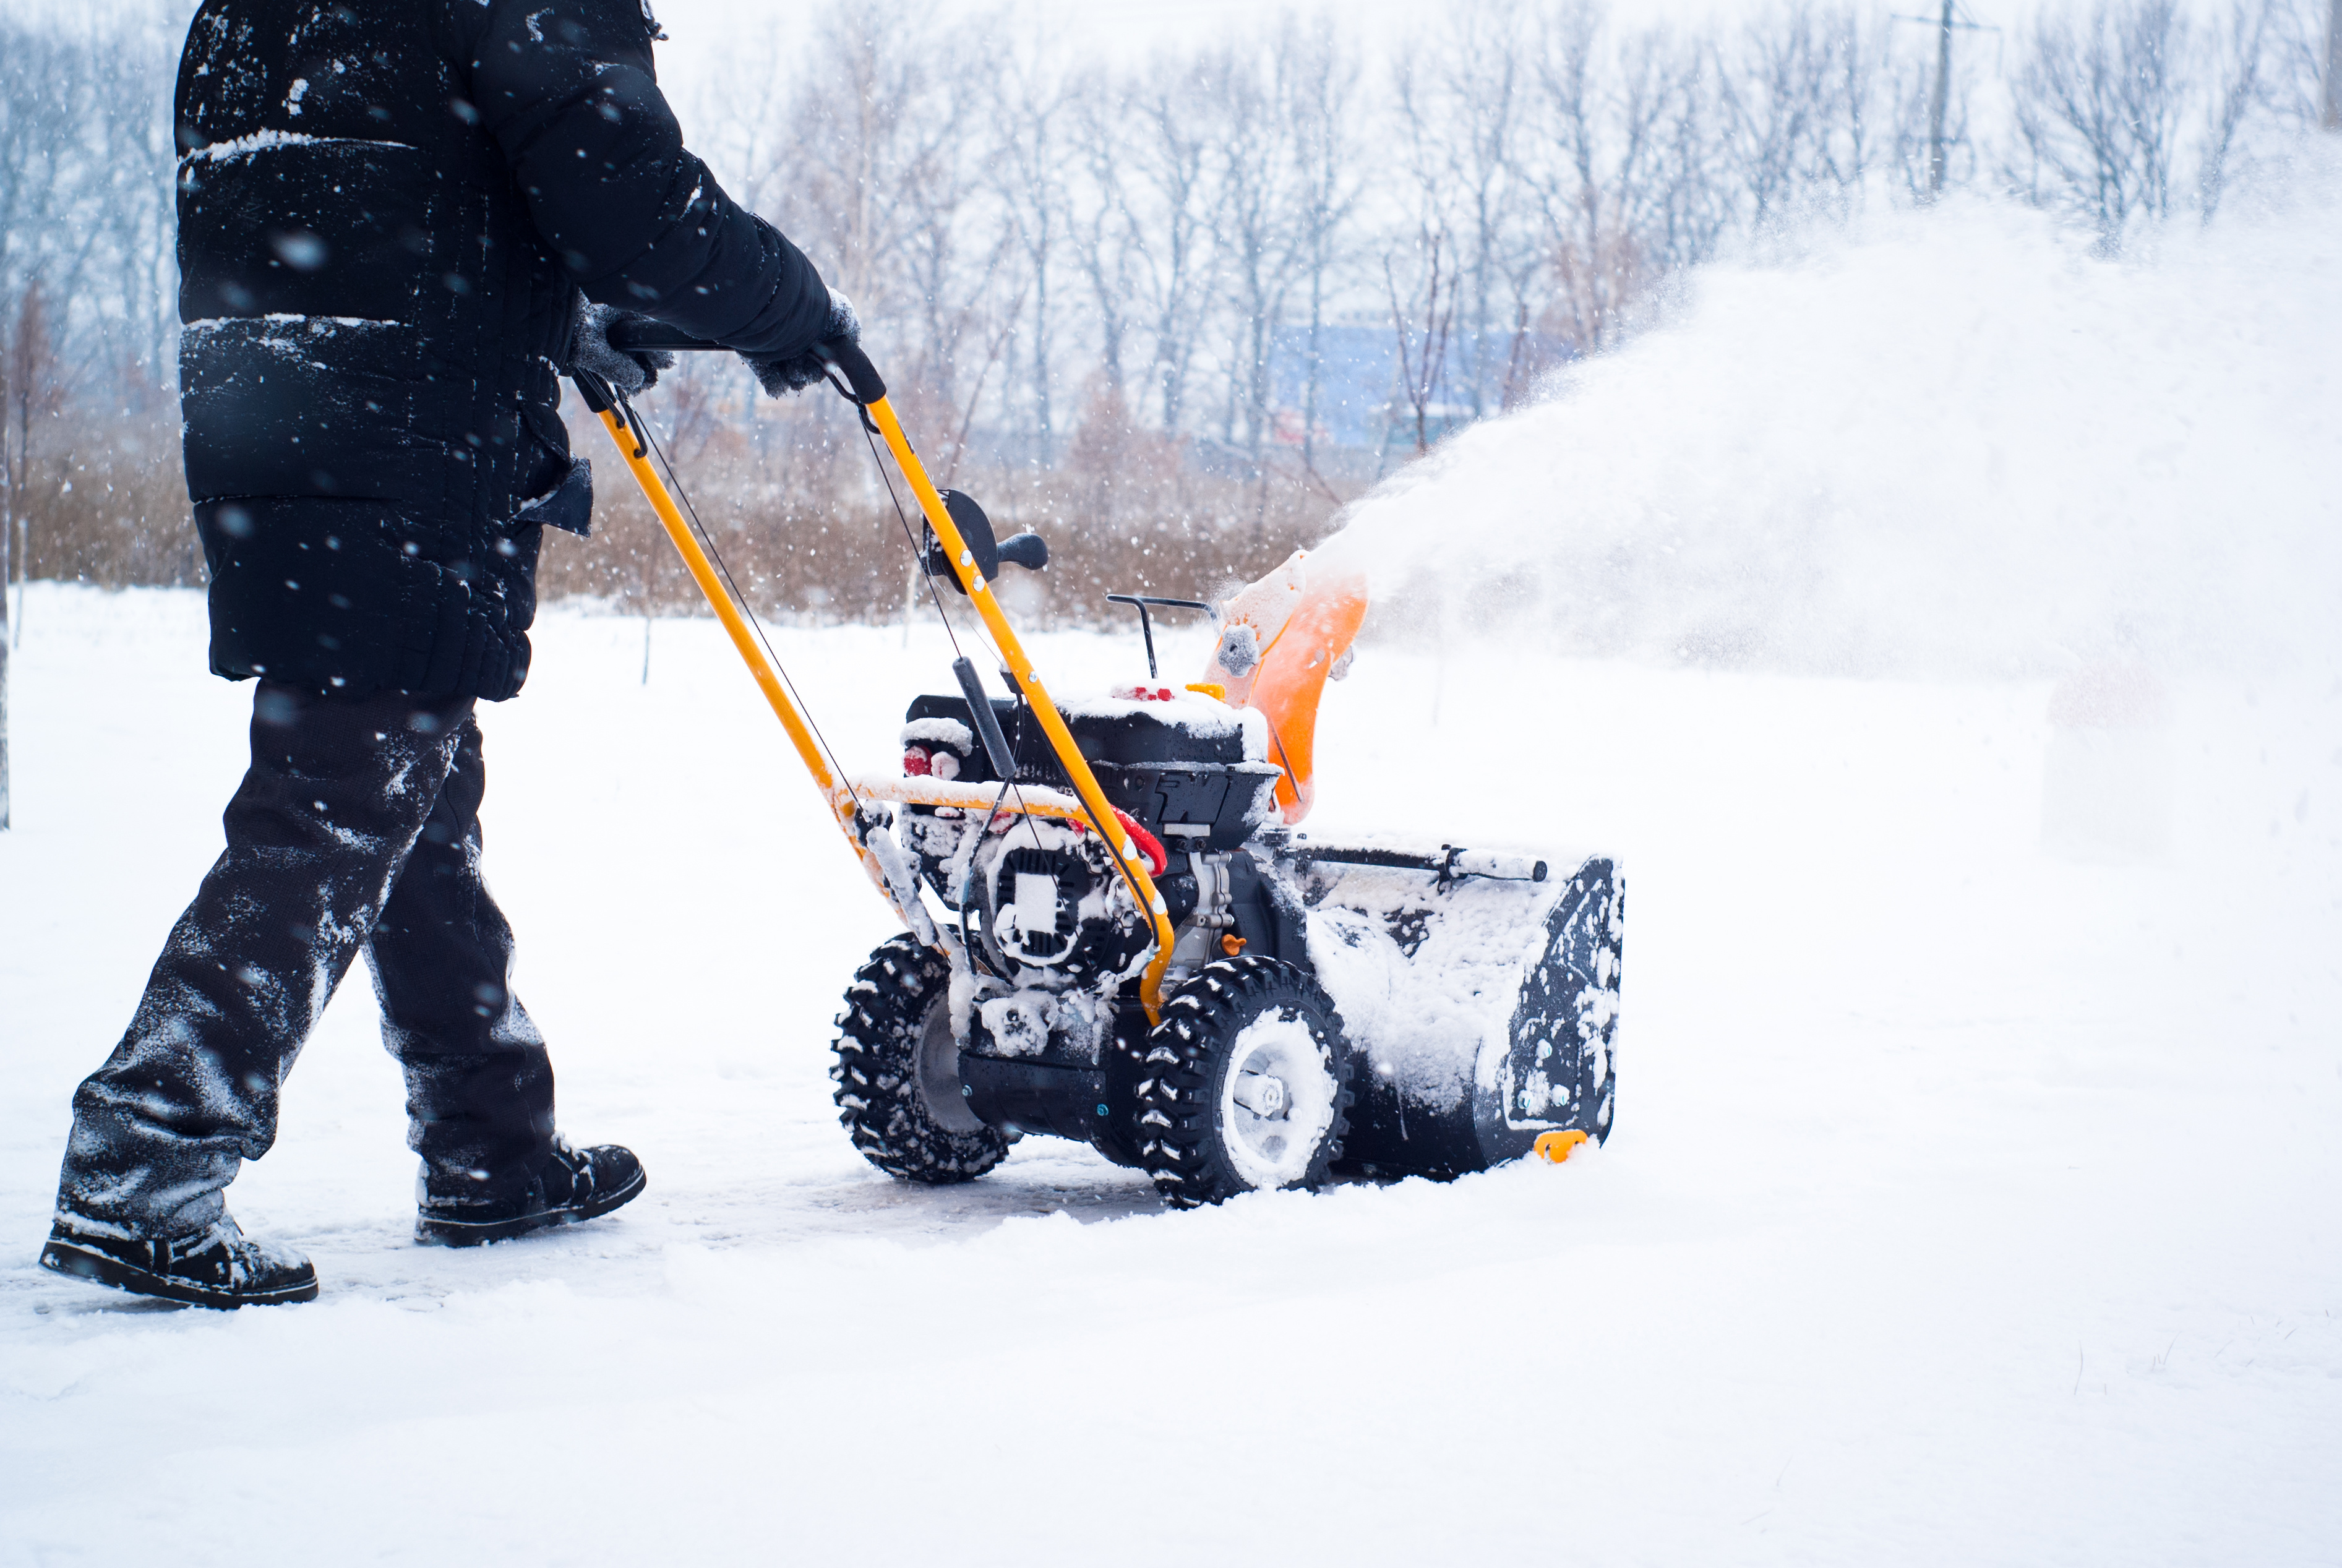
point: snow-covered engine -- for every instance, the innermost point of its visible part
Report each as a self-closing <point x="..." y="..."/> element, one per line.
<point x="1043" y="912"/>
<point x="1055" y="909"/>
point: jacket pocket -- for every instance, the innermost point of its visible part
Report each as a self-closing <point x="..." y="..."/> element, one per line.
<point x="568" y="506"/>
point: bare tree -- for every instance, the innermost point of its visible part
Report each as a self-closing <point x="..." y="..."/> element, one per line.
<point x="1254" y="156"/>
<point x="32" y="395"/>
<point x="1192" y="244"/>
<point x="36" y="396"/>
<point x="1108" y="245"/>
<point x="133" y="147"/>
<point x="1798" y="96"/>
<point x="2298" y="75"/>
<point x="1176" y="200"/>
<point x="1032" y="163"/>
<point x="1423" y="318"/>
<point x="2099" y="109"/>
<point x="1689" y="204"/>
<point x="1459" y="94"/>
<point x="1322" y="79"/>
<point x="2238" y="50"/>
<point x="868" y="165"/>
<point x="1601" y="114"/>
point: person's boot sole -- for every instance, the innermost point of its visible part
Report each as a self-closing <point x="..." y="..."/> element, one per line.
<point x="83" y="1263"/>
<point x="450" y="1233"/>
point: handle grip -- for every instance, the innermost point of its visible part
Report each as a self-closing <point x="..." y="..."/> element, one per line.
<point x="846" y="357"/>
<point x="861" y="379"/>
<point x="633" y="334"/>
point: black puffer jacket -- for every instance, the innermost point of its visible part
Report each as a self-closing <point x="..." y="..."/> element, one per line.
<point x="387" y="212"/>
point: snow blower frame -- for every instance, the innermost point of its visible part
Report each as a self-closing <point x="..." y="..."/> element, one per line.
<point x="1243" y="1010"/>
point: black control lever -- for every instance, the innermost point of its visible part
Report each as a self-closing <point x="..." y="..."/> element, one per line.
<point x="987" y="721"/>
<point x="1146" y="626"/>
<point x="1027" y="550"/>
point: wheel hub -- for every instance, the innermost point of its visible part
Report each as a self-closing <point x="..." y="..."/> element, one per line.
<point x="1261" y="1093"/>
<point x="1278" y="1100"/>
<point x="939" y="1081"/>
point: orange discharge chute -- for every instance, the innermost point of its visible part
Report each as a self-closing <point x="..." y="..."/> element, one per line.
<point x="1279" y="641"/>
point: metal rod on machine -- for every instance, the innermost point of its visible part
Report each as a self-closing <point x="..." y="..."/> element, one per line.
<point x="1450" y="863"/>
<point x="1145" y="625"/>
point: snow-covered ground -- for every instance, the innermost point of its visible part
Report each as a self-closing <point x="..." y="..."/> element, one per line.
<point x="1969" y="1202"/>
<point x="1977" y="1191"/>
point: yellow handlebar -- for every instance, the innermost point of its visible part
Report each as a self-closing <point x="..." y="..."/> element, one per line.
<point x="836" y="792"/>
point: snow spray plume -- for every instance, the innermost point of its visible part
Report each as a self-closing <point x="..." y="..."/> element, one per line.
<point x="1946" y="442"/>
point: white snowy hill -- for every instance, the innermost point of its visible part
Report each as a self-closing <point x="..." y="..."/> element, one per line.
<point x="1976" y="1195"/>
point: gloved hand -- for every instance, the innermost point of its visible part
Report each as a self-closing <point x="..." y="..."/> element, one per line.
<point x="780" y="376"/>
<point x="589" y="349"/>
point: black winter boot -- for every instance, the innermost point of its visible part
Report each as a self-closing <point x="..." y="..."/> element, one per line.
<point x="574" y="1185"/>
<point x="216" y="1267"/>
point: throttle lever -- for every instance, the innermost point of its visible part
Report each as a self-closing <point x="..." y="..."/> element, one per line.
<point x="1027" y="550"/>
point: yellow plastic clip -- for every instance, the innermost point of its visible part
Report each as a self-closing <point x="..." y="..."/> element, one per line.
<point x="1212" y="689"/>
<point x="1556" y="1146"/>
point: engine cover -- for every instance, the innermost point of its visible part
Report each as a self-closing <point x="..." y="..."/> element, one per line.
<point x="1055" y="909"/>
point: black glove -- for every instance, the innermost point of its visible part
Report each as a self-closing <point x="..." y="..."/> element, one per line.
<point x="630" y="371"/>
<point x="779" y="376"/>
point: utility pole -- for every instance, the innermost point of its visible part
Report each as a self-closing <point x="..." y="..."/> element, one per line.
<point x="1943" y="95"/>
<point x="3" y="686"/>
<point x="8" y="523"/>
<point x="7" y="520"/>
<point x="2330" y="112"/>
<point x="1939" y="101"/>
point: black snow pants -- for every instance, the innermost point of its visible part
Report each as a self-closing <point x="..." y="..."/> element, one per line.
<point x="357" y="828"/>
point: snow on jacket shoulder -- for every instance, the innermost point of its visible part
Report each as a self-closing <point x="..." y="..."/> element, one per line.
<point x="386" y="214"/>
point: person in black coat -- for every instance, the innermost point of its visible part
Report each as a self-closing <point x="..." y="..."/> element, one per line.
<point x="397" y="223"/>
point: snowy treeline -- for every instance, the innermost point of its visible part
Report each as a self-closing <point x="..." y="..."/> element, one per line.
<point x="1199" y="299"/>
<point x="88" y="321"/>
<point x="1039" y="226"/>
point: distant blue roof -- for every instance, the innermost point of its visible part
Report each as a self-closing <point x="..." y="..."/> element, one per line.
<point x="1358" y="392"/>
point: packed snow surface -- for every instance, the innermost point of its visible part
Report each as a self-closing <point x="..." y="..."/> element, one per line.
<point x="1968" y="1204"/>
<point x="1976" y="1195"/>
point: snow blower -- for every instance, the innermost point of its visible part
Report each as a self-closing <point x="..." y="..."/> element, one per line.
<point x="1115" y="931"/>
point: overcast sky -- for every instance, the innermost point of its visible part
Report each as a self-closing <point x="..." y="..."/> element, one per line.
<point x="1126" y="29"/>
<point x="1132" y="24"/>
<point x="1143" y="21"/>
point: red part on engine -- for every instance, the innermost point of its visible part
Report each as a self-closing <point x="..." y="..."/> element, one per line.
<point x="1157" y="862"/>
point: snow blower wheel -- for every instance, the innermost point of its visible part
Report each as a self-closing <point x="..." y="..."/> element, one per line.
<point x="1245" y="1084"/>
<point x="898" y="1071"/>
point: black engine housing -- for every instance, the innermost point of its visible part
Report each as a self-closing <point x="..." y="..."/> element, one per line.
<point x="1166" y="774"/>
